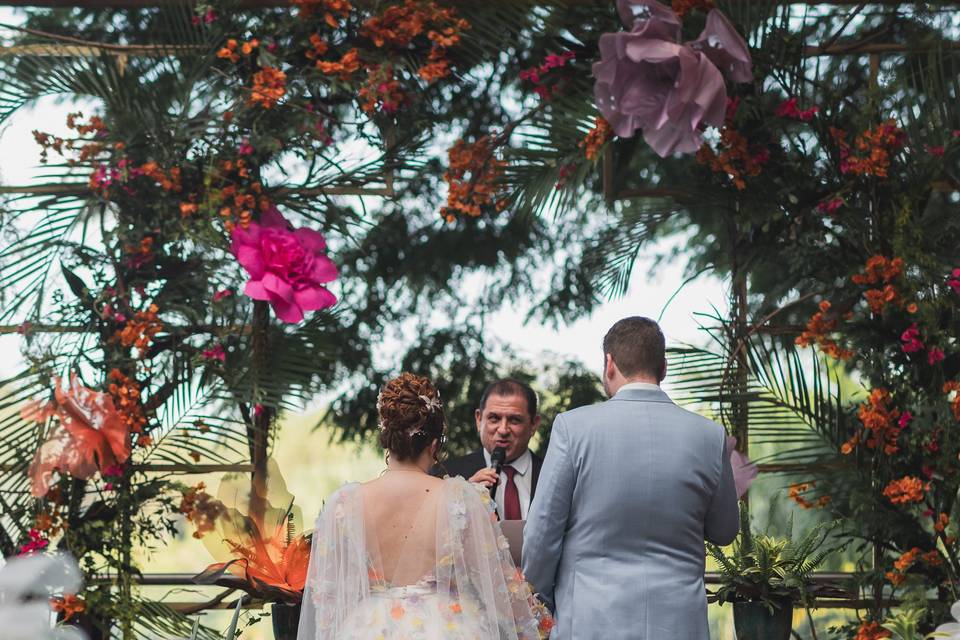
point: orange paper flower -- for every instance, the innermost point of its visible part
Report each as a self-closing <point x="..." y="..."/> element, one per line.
<point x="88" y="434"/>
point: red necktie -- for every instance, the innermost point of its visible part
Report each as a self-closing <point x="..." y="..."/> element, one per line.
<point x="511" y="496"/>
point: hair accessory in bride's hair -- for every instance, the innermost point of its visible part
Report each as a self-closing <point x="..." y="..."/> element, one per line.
<point x="432" y="403"/>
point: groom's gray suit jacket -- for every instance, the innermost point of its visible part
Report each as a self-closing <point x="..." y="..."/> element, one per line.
<point x="629" y="491"/>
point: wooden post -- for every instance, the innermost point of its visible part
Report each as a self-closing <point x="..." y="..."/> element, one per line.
<point x="258" y="429"/>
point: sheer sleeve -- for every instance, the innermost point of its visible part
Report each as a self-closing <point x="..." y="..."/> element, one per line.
<point x="475" y="569"/>
<point x="337" y="577"/>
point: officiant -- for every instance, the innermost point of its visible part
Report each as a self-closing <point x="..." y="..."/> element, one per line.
<point x="506" y="420"/>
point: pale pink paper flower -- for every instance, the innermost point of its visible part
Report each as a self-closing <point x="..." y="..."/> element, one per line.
<point x="744" y="471"/>
<point x="646" y="79"/>
<point x="88" y="434"/>
<point x="287" y="266"/>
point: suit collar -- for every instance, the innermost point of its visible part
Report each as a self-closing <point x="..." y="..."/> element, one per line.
<point x="644" y="394"/>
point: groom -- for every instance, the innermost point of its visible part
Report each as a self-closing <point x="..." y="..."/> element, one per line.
<point x="629" y="491"/>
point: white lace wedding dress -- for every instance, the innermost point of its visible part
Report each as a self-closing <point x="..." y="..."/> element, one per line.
<point x="442" y="571"/>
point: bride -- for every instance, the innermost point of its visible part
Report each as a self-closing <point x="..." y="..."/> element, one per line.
<point x="408" y="555"/>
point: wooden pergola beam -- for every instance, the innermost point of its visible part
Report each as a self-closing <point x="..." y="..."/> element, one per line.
<point x="82" y="188"/>
<point x="265" y="4"/>
<point x="95" y="51"/>
<point x="162" y="50"/>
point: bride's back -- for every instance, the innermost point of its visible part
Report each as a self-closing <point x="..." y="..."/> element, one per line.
<point x="400" y="511"/>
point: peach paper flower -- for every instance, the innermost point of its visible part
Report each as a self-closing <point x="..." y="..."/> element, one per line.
<point x="89" y="434"/>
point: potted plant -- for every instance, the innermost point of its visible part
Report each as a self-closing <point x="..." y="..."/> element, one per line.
<point x="763" y="576"/>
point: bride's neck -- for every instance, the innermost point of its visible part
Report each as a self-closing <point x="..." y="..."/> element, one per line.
<point x="411" y="466"/>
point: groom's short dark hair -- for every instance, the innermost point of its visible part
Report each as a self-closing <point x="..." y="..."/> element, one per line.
<point x="637" y="347"/>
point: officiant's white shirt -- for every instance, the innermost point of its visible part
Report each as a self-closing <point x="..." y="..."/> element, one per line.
<point x="523" y="478"/>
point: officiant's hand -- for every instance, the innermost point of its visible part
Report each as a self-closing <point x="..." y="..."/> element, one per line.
<point x="486" y="476"/>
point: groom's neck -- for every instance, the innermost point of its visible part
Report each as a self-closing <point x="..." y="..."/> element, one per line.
<point x="622" y="382"/>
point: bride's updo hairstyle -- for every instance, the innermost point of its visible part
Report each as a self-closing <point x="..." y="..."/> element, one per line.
<point x="411" y="416"/>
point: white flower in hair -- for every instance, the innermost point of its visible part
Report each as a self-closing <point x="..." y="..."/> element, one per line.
<point x="433" y="404"/>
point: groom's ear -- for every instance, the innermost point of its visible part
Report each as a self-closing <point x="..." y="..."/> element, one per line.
<point x="609" y="367"/>
<point x="663" y="370"/>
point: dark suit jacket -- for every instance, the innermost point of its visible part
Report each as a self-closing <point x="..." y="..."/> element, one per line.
<point x="466" y="466"/>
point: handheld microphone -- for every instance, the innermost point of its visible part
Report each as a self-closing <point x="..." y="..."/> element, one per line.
<point x="497" y="458"/>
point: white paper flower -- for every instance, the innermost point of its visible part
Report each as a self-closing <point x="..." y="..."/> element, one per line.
<point x="950" y="630"/>
<point x="26" y="584"/>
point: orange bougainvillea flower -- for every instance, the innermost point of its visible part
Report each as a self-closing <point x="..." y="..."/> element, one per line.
<point x="398" y="25"/>
<point x="333" y="10"/>
<point x="126" y="398"/>
<point x="941" y="523"/>
<point x="880" y="422"/>
<point x="319" y="45"/>
<point x="953" y="387"/>
<point x="906" y="490"/>
<point x="473" y="178"/>
<point x="820" y="325"/>
<point x="348" y="65"/>
<point x="879" y="269"/>
<point x="870" y="154"/>
<point x="596" y="138"/>
<point x="88" y="434"/>
<point x="381" y="91"/>
<point x="69" y="605"/>
<point x="882" y="271"/>
<point x="229" y="51"/>
<point x="201" y="509"/>
<point x="683" y="7"/>
<point x="907" y="559"/>
<point x="734" y="156"/>
<point x="871" y="631"/>
<point x="796" y="494"/>
<point x="140" y="330"/>
<point x="269" y="85"/>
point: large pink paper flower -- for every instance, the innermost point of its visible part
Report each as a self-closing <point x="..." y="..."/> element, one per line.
<point x="646" y="79"/>
<point x="287" y="266"/>
<point x="89" y="434"/>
